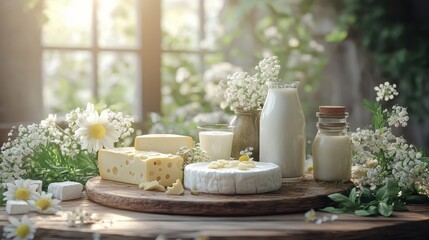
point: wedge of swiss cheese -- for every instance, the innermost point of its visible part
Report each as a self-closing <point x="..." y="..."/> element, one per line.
<point x="132" y="166"/>
<point x="163" y="143"/>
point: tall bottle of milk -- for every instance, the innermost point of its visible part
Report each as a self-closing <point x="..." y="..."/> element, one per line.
<point x="282" y="129"/>
<point x="332" y="148"/>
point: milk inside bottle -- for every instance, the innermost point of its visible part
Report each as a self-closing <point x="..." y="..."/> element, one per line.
<point x="282" y="129"/>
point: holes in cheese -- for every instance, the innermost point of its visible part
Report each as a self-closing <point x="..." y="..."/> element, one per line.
<point x="142" y="166"/>
<point x="163" y="143"/>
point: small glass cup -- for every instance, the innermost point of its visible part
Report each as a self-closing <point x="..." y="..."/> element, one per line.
<point x="216" y="140"/>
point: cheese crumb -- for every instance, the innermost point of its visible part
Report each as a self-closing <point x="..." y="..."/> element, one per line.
<point x="176" y="189"/>
<point x="241" y="165"/>
<point x="152" y="186"/>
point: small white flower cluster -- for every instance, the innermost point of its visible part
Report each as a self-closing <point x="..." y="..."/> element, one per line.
<point x="247" y="151"/>
<point x="398" y="116"/>
<point x="193" y="154"/>
<point x="310" y="216"/>
<point x="381" y="156"/>
<point x="385" y="92"/>
<point x="79" y="217"/>
<point x="87" y="132"/>
<point x="248" y="92"/>
<point x="269" y="69"/>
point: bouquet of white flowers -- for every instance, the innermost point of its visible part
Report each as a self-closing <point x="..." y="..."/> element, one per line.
<point x="50" y="153"/>
<point x="248" y="92"/>
<point x="380" y="156"/>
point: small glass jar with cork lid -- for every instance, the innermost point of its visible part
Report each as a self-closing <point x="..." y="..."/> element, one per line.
<point x="332" y="148"/>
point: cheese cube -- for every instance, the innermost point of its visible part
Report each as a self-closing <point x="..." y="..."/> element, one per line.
<point x="176" y="189"/>
<point x="17" y="207"/>
<point x="163" y="143"/>
<point x="131" y="166"/>
<point x="39" y="185"/>
<point x="66" y="190"/>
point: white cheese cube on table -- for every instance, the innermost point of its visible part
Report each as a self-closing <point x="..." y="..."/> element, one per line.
<point x="163" y="143"/>
<point x="39" y="184"/>
<point x="66" y="190"/>
<point x="129" y="165"/>
<point x="17" y="207"/>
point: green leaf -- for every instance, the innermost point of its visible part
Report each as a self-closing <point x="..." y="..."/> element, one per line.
<point x="384" y="209"/>
<point x="338" y="197"/>
<point x="364" y="213"/>
<point x="353" y="195"/>
<point x="334" y="210"/>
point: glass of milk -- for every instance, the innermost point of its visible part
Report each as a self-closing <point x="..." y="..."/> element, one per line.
<point x="216" y="140"/>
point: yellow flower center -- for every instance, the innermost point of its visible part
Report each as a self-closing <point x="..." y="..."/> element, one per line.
<point x="43" y="203"/>
<point x="244" y="158"/>
<point x="97" y="131"/>
<point x="23" y="231"/>
<point x="22" y="194"/>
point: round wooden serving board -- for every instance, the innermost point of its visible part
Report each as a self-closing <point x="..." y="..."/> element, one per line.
<point x="292" y="197"/>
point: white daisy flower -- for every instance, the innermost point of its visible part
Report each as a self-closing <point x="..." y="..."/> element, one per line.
<point x="96" y="132"/>
<point x="21" y="190"/>
<point x="19" y="229"/>
<point x="45" y="204"/>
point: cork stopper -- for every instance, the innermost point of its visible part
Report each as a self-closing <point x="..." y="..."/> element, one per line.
<point x="332" y="111"/>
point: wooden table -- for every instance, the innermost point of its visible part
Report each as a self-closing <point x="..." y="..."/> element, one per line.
<point x="123" y="224"/>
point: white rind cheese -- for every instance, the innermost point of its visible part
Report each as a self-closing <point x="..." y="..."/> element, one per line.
<point x="264" y="177"/>
<point x="131" y="166"/>
<point x="163" y="143"/>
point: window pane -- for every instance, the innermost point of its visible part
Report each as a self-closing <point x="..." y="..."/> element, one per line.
<point x="213" y="25"/>
<point x="118" y="74"/>
<point x="117" y="23"/>
<point x="180" y="24"/>
<point x="68" y="24"/>
<point x="181" y="84"/>
<point x="67" y="80"/>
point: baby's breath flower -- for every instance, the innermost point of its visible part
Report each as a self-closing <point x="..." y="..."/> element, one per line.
<point x="385" y="92"/>
<point x="79" y="217"/>
<point x="248" y="92"/>
<point x="310" y="216"/>
<point x="193" y="154"/>
<point x="398" y="117"/>
<point x="33" y="147"/>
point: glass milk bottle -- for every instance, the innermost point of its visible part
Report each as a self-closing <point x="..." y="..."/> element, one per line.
<point x="282" y="129"/>
<point x="332" y="148"/>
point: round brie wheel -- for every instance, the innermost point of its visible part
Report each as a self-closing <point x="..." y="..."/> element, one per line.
<point x="265" y="177"/>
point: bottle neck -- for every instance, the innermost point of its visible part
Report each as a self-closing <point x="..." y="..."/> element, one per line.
<point x="333" y="131"/>
<point x="277" y="85"/>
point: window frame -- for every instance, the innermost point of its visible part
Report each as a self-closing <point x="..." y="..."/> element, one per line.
<point x="148" y="52"/>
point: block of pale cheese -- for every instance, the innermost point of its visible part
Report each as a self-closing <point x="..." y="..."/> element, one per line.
<point x="263" y="177"/>
<point x="163" y="143"/>
<point x="39" y="185"/>
<point x="66" y="190"/>
<point x="17" y="207"/>
<point x="129" y="165"/>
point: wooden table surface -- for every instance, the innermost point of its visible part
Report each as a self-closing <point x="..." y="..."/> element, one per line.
<point x="122" y="224"/>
